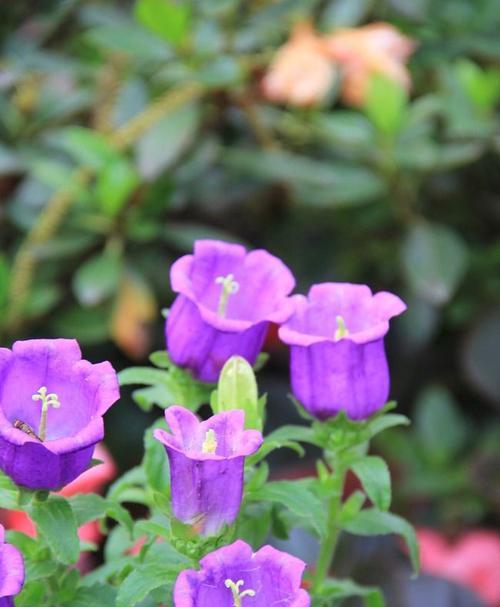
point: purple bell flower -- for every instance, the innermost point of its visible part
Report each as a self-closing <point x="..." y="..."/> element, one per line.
<point x="51" y="408"/>
<point x="336" y="339"/>
<point x="206" y="466"/>
<point x="227" y="298"/>
<point x="233" y="576"/>
<point x="11" y="572"/>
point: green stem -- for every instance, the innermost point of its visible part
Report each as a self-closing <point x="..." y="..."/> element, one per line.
<point x="329" y="544"/>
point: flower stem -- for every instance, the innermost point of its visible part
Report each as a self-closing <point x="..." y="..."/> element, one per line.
<point x="329" y="544"/>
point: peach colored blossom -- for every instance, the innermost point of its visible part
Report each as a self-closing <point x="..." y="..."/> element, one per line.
<point x="301" y="74"/>
<point x="473" y="560"/>
<point x="378" y="48"/>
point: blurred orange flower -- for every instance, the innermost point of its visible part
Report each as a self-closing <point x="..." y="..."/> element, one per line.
<point x="472" y="560"/>
<point x="301" y="73"/>
<point x="378" y="48"/>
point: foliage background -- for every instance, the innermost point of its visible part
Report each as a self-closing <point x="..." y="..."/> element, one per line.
<point x="129" y="131"/>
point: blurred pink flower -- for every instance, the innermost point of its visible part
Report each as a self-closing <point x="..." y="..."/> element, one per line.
<point x="378" y="48"/>
<point x="301" y="73"/>
<point x="473" y="560"/>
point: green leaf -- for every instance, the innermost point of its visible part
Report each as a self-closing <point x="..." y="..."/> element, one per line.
<point x="375" y="522"/>
<point x="32" y="594"/>
<point x="440" y="427"/>
<point x="88" y="507"/>
<point x="346" y="130"/>
<point x="343" y="589"/>
<point x="351" y="507"/>
<point x="116" y="181"/>
<point x="434" y="261"/>
<point x="87" y="325"/>
<point x="375" y="478"/>
<point x="8" y="492"/>
<point x="383" y="422"/>
<point x="140" y="583"/>
<point x="57" y="524"/>
<point x="100" y="595"/>
<point x="97" y="278"/>
<point x="85" y="146"/>
<point x="328" y="184"/>
<point x="160" y="147"/>
<point x="386" y="105"/>
<point x="168" y="19"/>
<point x="345" y="13"/>
<point x="297" y="497"/>
<point x="155" y="462"/>
<point x="482" y="85"/>
<point x="36" y="570"/>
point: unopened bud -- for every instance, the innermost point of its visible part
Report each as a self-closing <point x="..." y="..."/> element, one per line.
<point x="237" y="389"/>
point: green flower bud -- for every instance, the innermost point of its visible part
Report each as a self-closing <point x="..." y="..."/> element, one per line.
<point x="237" y="389"/>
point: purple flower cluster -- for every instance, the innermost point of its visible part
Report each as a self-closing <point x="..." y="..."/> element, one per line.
<point x="228" y="297"/>
<point x="52" y="405"/>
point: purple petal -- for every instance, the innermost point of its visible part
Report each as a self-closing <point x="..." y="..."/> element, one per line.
<point x="204" y="348"/>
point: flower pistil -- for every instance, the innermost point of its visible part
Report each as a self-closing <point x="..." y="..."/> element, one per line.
<point x="342" y="330"/>
<point x="235" y="589"/>
<point x="210" y="443"/>
<point x="48" y="400"/>
<point x="229" y="287"/>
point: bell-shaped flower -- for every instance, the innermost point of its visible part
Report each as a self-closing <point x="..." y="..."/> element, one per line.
<point x="206" y="466"/>
<point x="51" y="408"/>
<point x="234" y="576"/>
<point x="227" y="298"/>
<point x="336" y="339"/>
<point x="11" y="571"/>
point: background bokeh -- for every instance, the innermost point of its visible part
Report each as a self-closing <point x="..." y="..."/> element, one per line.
<point x="129" y="130"/>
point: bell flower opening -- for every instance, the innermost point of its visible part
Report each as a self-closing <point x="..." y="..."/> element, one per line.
<point x="336" y="339"/>
<point x="226" y="300"/>
<point x="206" y="465"/>
<point x="51" y="408"/>
<point x="235" y="576"/>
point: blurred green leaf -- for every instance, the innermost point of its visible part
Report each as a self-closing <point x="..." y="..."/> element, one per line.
<point x="314" y="181"/>
<point x="97" y="279"/>
<point x="334" y="590"/>
<point x="116" y="181"/>
<point x="434" y="261"/>
<point x="480" y="355"/>
<point x="345" y="13"/>
<point x="166" y="18"/>
<point x="375" y="522"/>
<point x="345" y="129"/>
<point x="440" y="427"/>
<point x="386" y="105"/>
<point x="97" y="594"/>
<point x="482" y="85"/>
<point x="87" y="325"/>
<point x="160" y="147"/>
<point x="132" y="40"/>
